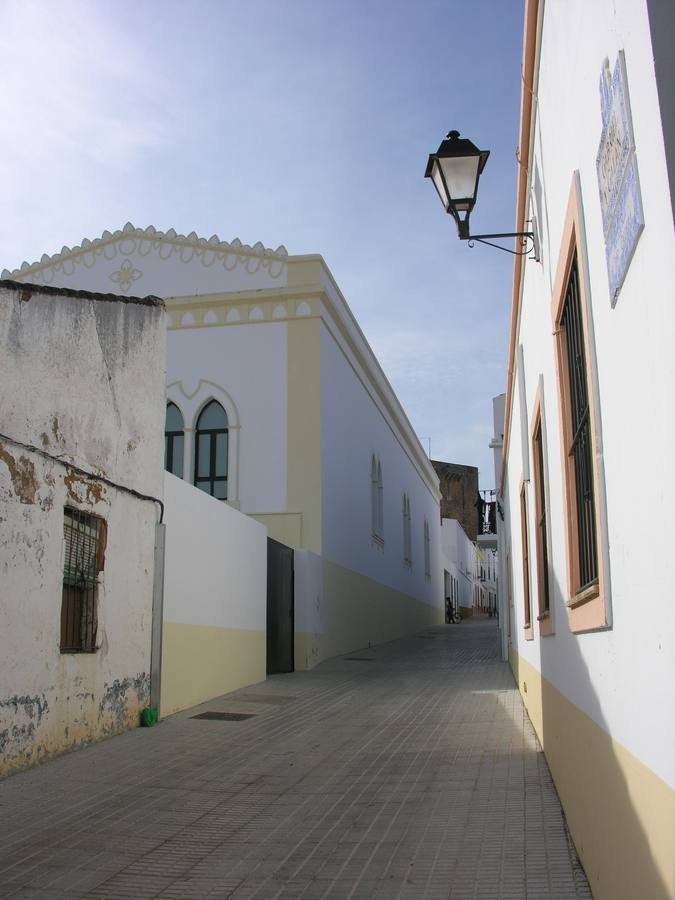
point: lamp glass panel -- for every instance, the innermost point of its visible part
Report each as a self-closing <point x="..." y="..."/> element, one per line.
<point x="460" y="176"/>
<point x="437" y="179"/>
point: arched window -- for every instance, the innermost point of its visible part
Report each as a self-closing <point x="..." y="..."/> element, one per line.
<point x="211" y="451"/>
<point x="376" y="499"/>
<point x="407" y="541"/>
<point x="174" y="440"/>
<point x="427" y="550"/>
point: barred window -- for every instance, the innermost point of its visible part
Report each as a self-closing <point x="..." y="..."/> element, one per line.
<point x="578" y="434"/>
<point x="407" y="539"/>
<point x="527" y="606"/>
<point x="376" y="500"/>
<point x="84" y="538"/>
<point x="544" y="593"/>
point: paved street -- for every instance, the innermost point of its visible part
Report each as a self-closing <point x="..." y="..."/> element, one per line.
<point x="408" y="771"/>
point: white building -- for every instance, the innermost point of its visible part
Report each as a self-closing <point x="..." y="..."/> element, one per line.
<point x="81" y="486"/>
<point x="459" y="562"/>
<point x="270" y="375"/>
<point x="588" y="482"/>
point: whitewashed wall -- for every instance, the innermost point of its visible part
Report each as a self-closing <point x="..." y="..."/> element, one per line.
<point x="353" y="427"/>
<point x="459" y="559"/>
<point x="245" y="368"/>
<point x="622" y="678"/>
<point x="72" y="367"/>
<point x="215" y="596"/>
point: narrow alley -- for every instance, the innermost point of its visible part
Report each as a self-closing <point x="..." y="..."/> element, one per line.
<point x="409" y="770"/>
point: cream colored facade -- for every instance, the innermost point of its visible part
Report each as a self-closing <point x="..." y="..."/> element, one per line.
<point x="596" y="661"/>
<point x="271" y="338"/>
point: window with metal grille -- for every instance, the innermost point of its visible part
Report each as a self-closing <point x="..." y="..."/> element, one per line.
<point x="407" y="539"/>
<point x="84" y="538"/>
<point x="427" y="550"/>
<point x="376" y="500"/>
<point x="211" y="451"/>
<point x="540" y="510"/>
<point x="578" y="431"/>
<point x="174" y="439"/>
<point x="527" y="606"/>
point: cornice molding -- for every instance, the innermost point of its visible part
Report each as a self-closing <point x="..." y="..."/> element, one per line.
<point x="130" y="239"/>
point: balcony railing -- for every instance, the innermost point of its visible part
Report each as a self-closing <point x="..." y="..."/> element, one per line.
<point x="487" y="512"/>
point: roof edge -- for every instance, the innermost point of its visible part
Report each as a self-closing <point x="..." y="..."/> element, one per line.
<point x="152" y="234"/>
<point x="530" y="29"/>
<point x="28" y="288"/>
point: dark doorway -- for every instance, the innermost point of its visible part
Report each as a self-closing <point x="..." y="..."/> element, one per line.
<point x="280" y="619"/>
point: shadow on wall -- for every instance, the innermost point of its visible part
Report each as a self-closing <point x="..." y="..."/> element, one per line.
<point x="620" y="814"/>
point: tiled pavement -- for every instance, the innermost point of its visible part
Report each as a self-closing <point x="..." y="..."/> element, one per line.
<point x="409" y="771"/>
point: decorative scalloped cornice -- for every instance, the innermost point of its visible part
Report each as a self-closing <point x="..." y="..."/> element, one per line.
<point x="146" y="239"/>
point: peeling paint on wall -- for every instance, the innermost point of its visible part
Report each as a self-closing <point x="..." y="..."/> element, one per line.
<point x="119" y="697"/>
<point x="32" y="727"/>
<point x="22" y="473"/>
<point x="34" y="707"/>
<point x="84" y="490"/>
<point x="20" y="718"/>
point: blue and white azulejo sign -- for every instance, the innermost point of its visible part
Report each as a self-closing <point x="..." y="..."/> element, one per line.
<point x="618" y="182"/>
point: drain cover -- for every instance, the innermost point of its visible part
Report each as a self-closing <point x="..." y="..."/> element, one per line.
<point x="224" y="716"/>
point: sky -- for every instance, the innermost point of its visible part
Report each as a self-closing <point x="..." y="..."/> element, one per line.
<point x="305" y="123"/>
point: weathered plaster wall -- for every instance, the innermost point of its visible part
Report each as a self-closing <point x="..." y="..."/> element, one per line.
<point x="73" y="369"/>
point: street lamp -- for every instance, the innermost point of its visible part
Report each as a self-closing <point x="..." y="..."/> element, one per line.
<point x="455" y="169"/>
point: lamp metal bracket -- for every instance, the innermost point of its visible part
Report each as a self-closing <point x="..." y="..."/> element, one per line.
<point x="524" y="236"/>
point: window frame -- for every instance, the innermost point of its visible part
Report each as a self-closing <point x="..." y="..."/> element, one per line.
<point x="525" y="557"/>
<point x="587" y="608"/>
<point x="84" y="595"/>
<point x="212" y="434"/>
<point x="541" y="516"/>
<point x="376" y="501"/>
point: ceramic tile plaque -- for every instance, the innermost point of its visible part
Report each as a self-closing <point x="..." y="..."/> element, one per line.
<point x="618" y="182"/>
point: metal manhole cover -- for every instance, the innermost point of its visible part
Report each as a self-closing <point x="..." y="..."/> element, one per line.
<point x="224" y="716"/>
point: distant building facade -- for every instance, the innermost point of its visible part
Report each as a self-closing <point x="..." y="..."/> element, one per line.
<point x="460" y="573"/>
<point x="81" y="487"/>
<point x="460" y="499"/>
